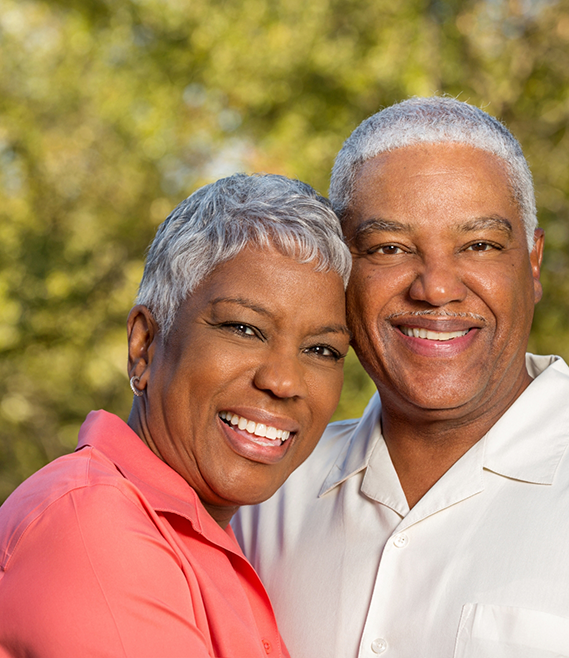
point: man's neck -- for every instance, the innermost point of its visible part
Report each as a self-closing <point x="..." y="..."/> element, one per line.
<point x="424" y="445"/>
<point x="421" y="459"/>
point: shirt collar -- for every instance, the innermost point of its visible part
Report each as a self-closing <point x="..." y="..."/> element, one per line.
<point x="161" y="485"/>
<point x="356" y="454"/>
<point x="528" y="441"/>
<point x="510" y="448"/>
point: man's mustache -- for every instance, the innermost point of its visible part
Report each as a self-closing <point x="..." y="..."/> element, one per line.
<point x="436" y="313"/>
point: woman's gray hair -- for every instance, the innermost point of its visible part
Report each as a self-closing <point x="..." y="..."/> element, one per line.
<point x="219" y="220"/>
<point x="431" y="121"/>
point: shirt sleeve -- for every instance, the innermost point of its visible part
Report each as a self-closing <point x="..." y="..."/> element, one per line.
<point x="95" y="575"/>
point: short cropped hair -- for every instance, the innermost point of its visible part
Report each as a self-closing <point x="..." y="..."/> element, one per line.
<point x="219" y="220"/>
<point x="431" y="121"/>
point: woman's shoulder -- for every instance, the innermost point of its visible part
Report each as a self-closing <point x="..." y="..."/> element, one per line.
<point x="59" y="494"/>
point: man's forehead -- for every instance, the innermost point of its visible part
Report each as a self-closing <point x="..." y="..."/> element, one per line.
<point x="468" y="184"/>
<point x="429" y="160"/>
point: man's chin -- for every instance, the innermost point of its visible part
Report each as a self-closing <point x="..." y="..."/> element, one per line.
<point x="436" y="397"/>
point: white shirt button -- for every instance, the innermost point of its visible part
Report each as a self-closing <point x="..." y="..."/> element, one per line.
<point x="379" y="645"/>
<point x="400" y="540"/>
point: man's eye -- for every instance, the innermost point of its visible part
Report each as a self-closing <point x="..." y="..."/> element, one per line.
<point x="481" y="246"/>
<point x="387" y="250"/>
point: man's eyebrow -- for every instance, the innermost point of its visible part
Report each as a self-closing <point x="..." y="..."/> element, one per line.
<point x="378" y="224"/>
<point x="496" y="222"/>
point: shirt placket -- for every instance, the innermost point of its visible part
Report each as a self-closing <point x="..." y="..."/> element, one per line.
<point x="398" y="591"/>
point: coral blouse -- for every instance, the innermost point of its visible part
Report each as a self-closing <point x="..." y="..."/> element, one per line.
<point x="109" y="552"/>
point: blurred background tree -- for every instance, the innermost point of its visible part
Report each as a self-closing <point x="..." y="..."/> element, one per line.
<point x="113" y="111"/>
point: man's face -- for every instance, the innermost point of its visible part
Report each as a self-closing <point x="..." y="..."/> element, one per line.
<point x="443" y="288"/>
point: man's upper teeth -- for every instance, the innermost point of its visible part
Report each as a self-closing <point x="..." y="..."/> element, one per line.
<point x="258" y="429"/>
<point x="416" y="332"/>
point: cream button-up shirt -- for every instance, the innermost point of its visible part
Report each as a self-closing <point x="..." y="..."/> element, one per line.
<point x="479" y="568"/>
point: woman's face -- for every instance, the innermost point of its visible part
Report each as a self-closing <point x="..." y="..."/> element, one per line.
<point x="239" y="394"/>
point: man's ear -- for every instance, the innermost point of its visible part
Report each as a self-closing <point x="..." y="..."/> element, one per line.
<point x="142" y="331"/>
<point x="536" y="257"/>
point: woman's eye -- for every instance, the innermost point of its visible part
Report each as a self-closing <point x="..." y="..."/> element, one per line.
<point x="239" y="328"/>
<point x="324" y="351"/>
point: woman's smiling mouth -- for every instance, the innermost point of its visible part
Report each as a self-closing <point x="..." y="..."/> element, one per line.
<point x="251" y="439"/>
<point x="256" y="430"/>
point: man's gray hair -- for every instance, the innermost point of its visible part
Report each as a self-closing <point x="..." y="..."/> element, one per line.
<point x="219" y="220"/>
<point x="432" y="121"/>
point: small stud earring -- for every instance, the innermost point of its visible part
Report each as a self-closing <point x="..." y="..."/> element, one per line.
<point x="133" y="387"/>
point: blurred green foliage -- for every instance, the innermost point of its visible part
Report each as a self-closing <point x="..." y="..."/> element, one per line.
<point x="112" y="111"/>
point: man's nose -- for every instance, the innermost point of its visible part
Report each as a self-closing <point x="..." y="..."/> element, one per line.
<point x="438" y="282"/>
<point x="282" y="375"/>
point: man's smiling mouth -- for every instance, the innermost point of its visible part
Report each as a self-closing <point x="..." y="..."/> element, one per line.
<point x="255" y="429"/>
<point x="419" y="332"/>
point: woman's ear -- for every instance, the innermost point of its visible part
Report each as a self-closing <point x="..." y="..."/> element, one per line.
<point x="142" y="331"/>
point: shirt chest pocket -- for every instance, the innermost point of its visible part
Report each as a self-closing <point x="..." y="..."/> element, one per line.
<point x="491" y="631"/>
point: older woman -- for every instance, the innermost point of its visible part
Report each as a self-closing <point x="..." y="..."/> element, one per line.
<point x="236" y="347"/>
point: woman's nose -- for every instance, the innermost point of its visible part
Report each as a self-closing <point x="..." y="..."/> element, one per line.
<point x="282" y="376"/>
<point x="438" y="283"/>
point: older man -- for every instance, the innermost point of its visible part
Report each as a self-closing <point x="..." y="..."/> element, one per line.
<point x="436" y="525"/>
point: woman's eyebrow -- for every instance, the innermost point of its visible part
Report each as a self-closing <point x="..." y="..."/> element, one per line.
<point x="242" y="301"/>
<point x="246" y="303"/>
<point x="334" y="329"/>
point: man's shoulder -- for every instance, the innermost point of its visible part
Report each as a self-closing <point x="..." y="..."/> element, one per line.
<point x="336" y="435"/>
<point x="339" y="439"/>
<point x="546" y="397"/>
<point x="278" y="525"/>
<point x="343" y="441"/>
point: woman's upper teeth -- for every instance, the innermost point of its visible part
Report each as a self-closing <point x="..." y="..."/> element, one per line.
<point x="417" y="332"/>
<point x="257" y="429"/>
